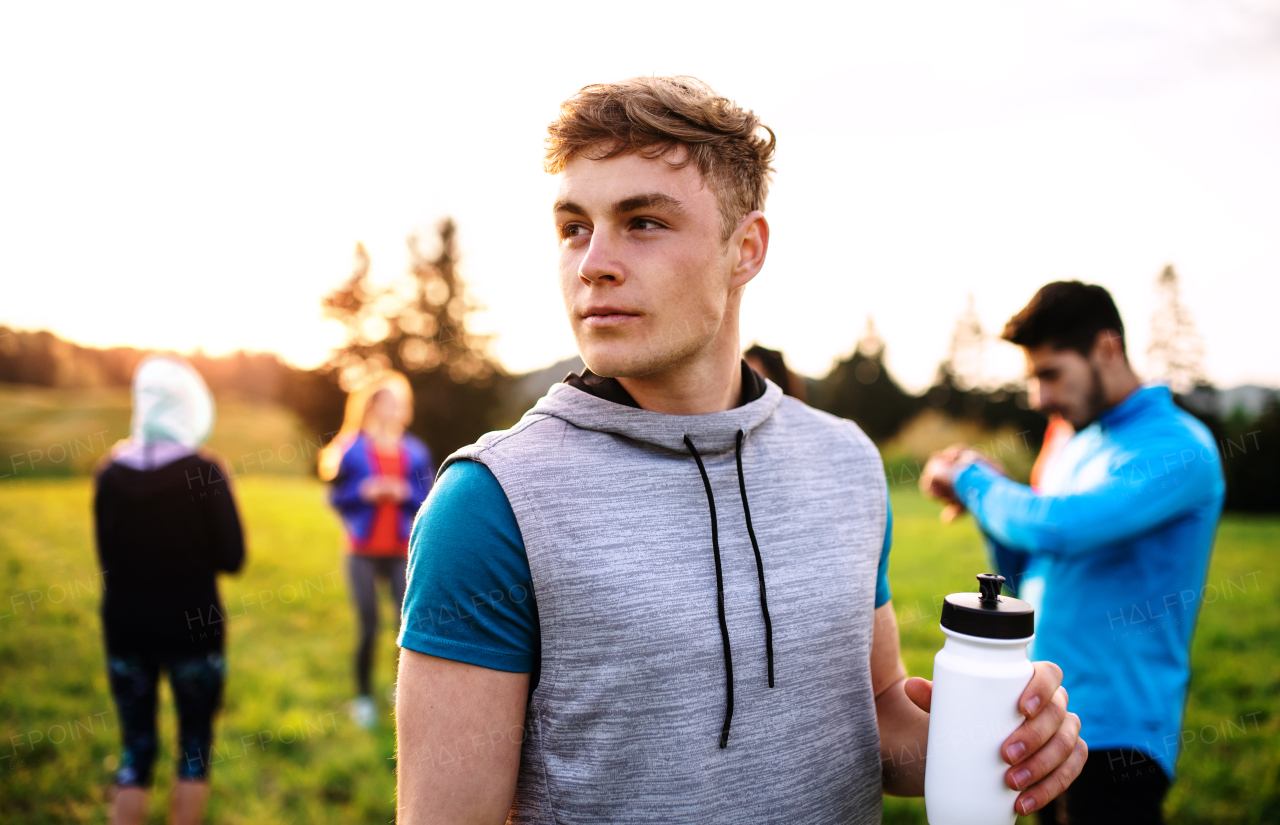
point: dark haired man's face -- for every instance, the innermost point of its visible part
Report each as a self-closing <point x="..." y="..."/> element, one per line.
<point x="1064" y="382"/>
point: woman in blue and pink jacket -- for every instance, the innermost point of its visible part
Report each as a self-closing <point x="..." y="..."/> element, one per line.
<point x="382" y="476"/>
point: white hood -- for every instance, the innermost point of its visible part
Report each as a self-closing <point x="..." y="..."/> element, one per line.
<point x="172" y="413"/>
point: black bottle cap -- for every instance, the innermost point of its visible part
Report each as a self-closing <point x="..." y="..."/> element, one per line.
<point x="987" y="614"/>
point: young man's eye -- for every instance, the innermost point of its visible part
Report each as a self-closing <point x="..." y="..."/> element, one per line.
<point x="645" y="223"/>
<point x="573" y="230"/>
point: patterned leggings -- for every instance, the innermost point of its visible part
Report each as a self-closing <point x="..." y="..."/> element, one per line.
<point x="197" y="691"/>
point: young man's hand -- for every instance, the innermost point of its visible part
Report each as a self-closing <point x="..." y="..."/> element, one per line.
<point x="935" y="480"/>
<point x="1046" y="751"/>
<point x="940" y="471"/>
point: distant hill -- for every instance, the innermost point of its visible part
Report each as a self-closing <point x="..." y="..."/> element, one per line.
<point x="59" y="431"/>
<point x="1249" y="399"/>
<point x="528" y="388"/>
<point x="66" y="430"/>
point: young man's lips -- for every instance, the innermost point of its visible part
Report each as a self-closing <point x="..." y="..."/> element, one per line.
<point x="608" y="318"/>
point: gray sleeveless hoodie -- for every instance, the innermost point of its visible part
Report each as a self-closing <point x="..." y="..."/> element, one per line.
<point x="680" y="565"/>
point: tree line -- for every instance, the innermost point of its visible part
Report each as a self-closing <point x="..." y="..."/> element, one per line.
<point x="418" y="324"/>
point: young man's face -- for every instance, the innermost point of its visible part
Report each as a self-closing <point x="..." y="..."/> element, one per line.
<point x="645" y="274"/>
<point x="1063" y="381"/>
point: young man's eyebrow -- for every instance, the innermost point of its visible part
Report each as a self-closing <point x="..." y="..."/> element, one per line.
<point x="651" y="200"/>
<point x="570" y="207"/>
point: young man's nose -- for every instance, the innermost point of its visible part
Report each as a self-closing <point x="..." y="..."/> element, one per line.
<point x="602" y="261"/>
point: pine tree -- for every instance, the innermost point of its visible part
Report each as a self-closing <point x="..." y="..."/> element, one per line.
<point x="418" y="325"/>
<point x="871" y="349"/>
<point x="1176" y="351"/>
<point x="861" y="389"/>
<point x="965" y="354"/>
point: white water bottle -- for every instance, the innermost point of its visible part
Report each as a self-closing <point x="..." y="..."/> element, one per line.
<point x="978" y="677"/>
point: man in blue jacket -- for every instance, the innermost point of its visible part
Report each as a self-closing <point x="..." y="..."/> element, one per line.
<point x="1112" y="549"/>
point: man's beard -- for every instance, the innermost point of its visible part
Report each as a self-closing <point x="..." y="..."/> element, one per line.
<point x="1095" y="403"/>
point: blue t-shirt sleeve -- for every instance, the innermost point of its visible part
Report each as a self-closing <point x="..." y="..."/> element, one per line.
<point x="882" y="575"/>
<point x="469" y="596"/>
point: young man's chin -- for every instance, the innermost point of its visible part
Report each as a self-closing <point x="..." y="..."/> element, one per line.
<point x="617" y="362"/>
<point x="636" y="355"/>
<point x="612" y="366"/>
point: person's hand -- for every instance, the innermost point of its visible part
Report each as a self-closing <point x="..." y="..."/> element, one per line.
<point x="370" y="488"/>
<point x="377" y="488"/>
<point x="940" y="469"/>
<point x="1046" y="751"/>
<point x="967" y="457"/>
<point x="935" y="479"/>
<point x="397" y="489"/>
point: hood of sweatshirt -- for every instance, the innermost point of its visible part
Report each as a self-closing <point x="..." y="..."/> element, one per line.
<point x="600" y="404"/>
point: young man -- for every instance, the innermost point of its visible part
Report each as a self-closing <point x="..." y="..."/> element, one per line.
<point x="1112" y="548"/>
<point x="655" y="597"/>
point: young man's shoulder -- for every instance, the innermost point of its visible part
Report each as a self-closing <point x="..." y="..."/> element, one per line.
<point x="534" y="431"/>
<point x="1188" y="426"/>
<point x="1169" y="426"/>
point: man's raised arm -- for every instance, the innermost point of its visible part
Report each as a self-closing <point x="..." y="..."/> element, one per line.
<point x="459" y="728"/>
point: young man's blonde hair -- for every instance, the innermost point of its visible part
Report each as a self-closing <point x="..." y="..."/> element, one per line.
<point x="651" y="117"/>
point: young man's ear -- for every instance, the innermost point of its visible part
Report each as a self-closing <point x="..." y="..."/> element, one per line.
<point x="751" y="241"/>
<point x="1108" y="345"/>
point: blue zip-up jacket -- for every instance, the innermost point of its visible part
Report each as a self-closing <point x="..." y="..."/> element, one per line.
<point x="1112" y="553"/>
<point x="358" y="464"/>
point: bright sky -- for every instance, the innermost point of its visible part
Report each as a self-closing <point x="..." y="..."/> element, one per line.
<point x="185" y="176"/>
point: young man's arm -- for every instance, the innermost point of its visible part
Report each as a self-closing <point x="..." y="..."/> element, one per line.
<point x="904" y="727"/>
<point x="469" y="642"/>
<point x="1151" y="487"/>
<point x="459" y="728"/>
<point x="1046" y="752"/>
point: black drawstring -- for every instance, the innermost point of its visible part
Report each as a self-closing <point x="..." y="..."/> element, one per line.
<point x="724" y="626"/>
<point x="764" y="602"/>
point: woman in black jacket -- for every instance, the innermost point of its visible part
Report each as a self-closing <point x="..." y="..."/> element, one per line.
<point x="166" y="525"/>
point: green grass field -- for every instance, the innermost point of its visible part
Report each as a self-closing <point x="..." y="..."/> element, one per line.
<point x="287" y="752"/>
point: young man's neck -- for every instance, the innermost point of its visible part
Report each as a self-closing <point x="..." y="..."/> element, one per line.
<point x="708" y="384"/>
<point x="1119" y="385"/>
